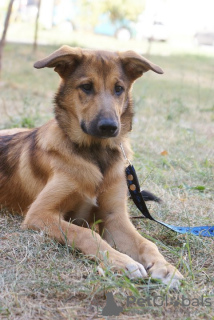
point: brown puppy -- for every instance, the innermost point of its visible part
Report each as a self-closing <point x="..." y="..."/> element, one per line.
<point x="71" y="169"/>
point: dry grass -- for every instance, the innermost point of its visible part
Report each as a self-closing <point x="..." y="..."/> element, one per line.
<point x="40" y="279"/>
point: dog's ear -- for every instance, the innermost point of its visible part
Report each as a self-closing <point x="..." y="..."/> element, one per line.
<point x="135" y="65"/>
<point x="62" y="60"/>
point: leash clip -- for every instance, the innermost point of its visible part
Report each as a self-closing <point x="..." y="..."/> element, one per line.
<point x="124" y="154"/>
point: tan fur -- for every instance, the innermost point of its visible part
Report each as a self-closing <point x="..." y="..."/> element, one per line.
<point x="64" y="176"/>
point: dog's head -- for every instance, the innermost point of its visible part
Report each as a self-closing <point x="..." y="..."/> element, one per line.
<point x="94" y="95"/>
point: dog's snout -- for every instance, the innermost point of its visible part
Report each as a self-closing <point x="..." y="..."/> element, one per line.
<point x="107" y="127"/>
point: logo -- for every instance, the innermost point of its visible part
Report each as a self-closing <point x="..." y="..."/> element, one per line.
<point x="111" y="308"/>
<point x="159" y="301"/>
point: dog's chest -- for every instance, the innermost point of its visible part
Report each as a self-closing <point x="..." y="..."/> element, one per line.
<point x="94" y="171"/>
<point x="103" y="158"/>
<point x="82" y="211"/>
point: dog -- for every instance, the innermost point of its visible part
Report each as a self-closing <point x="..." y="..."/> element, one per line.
<point x="69" y="173"/>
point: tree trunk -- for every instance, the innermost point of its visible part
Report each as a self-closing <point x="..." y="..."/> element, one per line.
<point x="36" y="26"/>
<point x="6" y="24"/>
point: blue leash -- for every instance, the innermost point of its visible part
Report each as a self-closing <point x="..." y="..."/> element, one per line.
<point x="134" y="190"/>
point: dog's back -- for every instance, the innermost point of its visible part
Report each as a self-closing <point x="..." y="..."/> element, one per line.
<point x="18" y="169"/>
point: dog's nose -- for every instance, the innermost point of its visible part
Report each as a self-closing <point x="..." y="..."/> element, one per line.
<point x="107" y="127"/>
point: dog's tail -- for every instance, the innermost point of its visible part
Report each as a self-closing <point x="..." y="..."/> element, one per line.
<point x="148" y="196"/>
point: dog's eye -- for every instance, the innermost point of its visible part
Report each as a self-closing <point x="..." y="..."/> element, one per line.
<point x="87" y="87"/>
<point x="118" y="90"/>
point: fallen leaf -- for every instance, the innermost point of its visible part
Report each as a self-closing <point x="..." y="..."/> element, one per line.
<point x="164" y="153"/>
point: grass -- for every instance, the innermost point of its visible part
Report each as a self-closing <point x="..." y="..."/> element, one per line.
<point x="173" y="141"/>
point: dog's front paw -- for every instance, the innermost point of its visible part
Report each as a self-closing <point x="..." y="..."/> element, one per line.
<point x="135" y="270"/>
<point x="164" y="271"/>
<point x="122" y="262"/>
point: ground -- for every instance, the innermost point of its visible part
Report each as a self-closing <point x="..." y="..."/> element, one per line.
<point x="173" y="143"/>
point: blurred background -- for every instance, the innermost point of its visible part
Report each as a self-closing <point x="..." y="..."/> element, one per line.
<point x="147" y="26"/>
